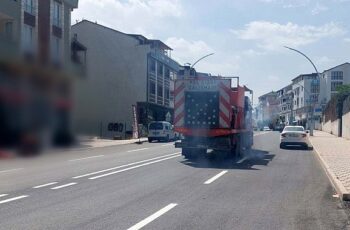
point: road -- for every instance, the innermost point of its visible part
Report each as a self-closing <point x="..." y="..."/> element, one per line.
<point x="151" y="186"/>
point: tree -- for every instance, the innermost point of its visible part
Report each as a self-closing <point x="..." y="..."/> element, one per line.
<point x="343" y="90"/>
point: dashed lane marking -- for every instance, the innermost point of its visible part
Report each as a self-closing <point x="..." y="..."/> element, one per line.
<point x="45" y="185"/>
<point x="86" y="158"/>
<point x="135" y="150"/>
<point x="214" y="178"/>
<point x="63" y="186"/>
<point x="13" y="199"/>
<point x="152" y="217"/>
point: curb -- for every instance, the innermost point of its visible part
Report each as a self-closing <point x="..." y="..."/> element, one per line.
<point x="339" y="187"/>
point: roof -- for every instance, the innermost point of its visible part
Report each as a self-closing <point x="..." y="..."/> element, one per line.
<point x="268" y="94"/>
<point x="346" y="63"/>
<point x="305" y="75"/>
<point x="72" y="3"/>
<point x="142" y="39"/>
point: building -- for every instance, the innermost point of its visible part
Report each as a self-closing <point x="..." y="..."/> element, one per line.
<point x="122" y="70"/>
<point x="36" y="70"/>
<point x="331" y="79"/>
<point x="285" y="100"/>
<point x="268" y="108"/>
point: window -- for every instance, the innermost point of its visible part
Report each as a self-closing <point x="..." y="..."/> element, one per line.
<point x="167" y="73"/>
<point x="167" y="93"/>
<point x="152" y="65"/>
<point x="160" y="91"/>
<point x="29" y="6"/>
<point x="152" y="87"/>
<point x="335" y="84"/>
<point x="8" y="30"/>
<point x="56" y="48"/>
<point x="56" y="14"/>
<point x="160" y="69"/>
<point x="337" y="75"/>
<point x="28" y="33"/>
<point x="315" y="88"/>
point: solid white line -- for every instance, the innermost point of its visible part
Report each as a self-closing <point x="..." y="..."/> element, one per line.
<point x="2" y="195"/>
<point x="63" y="186"/>
<point x="13" y="199"/>
<point x="45" y="185"/>
<point x="134" y="167"/>
<point x="215" y="177"/>
<point x="167" y="145"/>
<point x="135" y="150"/>
<point x="258" y="134"/>
<point x="122" y="166"/>
<point x="11" y="170"/>
<point x="151" y="218"/>
<point x="79" y="159"/>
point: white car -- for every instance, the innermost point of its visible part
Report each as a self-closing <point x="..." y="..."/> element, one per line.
<point x="293" y="135"/>
<point x="161" y="131"/>
<point x="266" y="128"/>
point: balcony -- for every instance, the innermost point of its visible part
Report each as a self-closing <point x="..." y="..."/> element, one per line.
<point x="160" y="56"/>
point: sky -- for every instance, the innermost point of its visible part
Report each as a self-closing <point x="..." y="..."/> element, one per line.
<point x="247" y="36"/>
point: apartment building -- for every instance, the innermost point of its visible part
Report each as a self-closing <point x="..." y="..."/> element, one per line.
<point x="331" y="79"/>
<point x="36" y="69"/>
<point x="268" y="108"/>
<point x="285" y="100"/>
<point x="123" y="70"/>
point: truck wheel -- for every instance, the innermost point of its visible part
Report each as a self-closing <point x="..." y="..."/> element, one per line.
<point x="187" y="153"/>
<point x="150" y="140"/>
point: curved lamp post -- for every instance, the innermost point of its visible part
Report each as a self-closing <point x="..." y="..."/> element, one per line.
<point x="318" y="74"/>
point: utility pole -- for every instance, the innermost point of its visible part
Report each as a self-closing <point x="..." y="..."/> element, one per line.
<point x="319" y="77"/>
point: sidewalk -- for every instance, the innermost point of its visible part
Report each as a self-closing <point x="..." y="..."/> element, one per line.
<point x="334" y="154"/>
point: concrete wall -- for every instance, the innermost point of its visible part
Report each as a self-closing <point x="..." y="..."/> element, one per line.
<point x="116" y="79"/>
<point x="346" y="125"/>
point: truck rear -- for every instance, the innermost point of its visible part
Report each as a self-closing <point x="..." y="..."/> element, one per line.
<point x="211" y="114"/>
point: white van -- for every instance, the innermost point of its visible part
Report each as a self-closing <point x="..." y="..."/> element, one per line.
<point x="161" y="131"/>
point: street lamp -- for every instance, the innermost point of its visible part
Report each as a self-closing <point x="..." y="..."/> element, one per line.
<point x="318" y="75"/>
<point x="201" y="59"/>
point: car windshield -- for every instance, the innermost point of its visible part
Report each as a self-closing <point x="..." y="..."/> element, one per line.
<point x="156" y="126"/>
<point x="293" y="129"/>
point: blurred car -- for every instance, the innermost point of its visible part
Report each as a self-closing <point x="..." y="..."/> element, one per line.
<point x="266" y="128"/>
<point x="293" y="136"/>
<point x="161" y="131"/>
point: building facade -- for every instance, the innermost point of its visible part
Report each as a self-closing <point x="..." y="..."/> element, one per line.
<point x="268" y="108"/>
<point x="123" y="70"/>
<point x="285" y="100"/>
<point x="35" y="69"/>
<point x="331" y="79"/>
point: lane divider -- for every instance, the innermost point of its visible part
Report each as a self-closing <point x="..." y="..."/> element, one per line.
<point x="86" y="158"/>
<point x="135" y="150"/>
<point x="63" y="186"/>
<point x="2" y="195"/>
<point x="45" y="185"/>
<point x="122" y="166"/>
<point x="152" y="217"/>
<point x="13" y="199"/>
<point x="11" y="170"/>
<point x="211" y="180"/>
<point x="133" y="167"/>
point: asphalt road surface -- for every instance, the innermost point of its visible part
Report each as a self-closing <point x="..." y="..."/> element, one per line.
<point x="150" y="186"/>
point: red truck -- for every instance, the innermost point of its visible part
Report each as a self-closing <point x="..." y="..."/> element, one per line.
<point x="211" y="114"/>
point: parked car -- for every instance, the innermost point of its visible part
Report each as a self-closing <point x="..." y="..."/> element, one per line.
<point x="266" y="128"/>
<point x="293" y="136"/>
<point x="161" y="131"/>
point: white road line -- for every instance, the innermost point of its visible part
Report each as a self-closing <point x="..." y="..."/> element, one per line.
<point x="151" y="218"/>
<point x="85" y="158"/>
<point x="122" y="166"/>
<point x="241" y="160"/>
<point x="11" y="170"/>
<point x="45" y="185"/>
<point x="258" y="134"/>
<point x="134" y="167"/>
<point x="63" y="186"/>
<point x="13" y="199"/>
<point x="215" y="177"/>
<point x="167" y="145"/>
<point x="135" y="150"/>
<point x="2" y="195"/>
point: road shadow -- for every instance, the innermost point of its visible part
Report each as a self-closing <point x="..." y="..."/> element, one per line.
<point x="219" y="161"/>
<point x="300" y="148"/>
